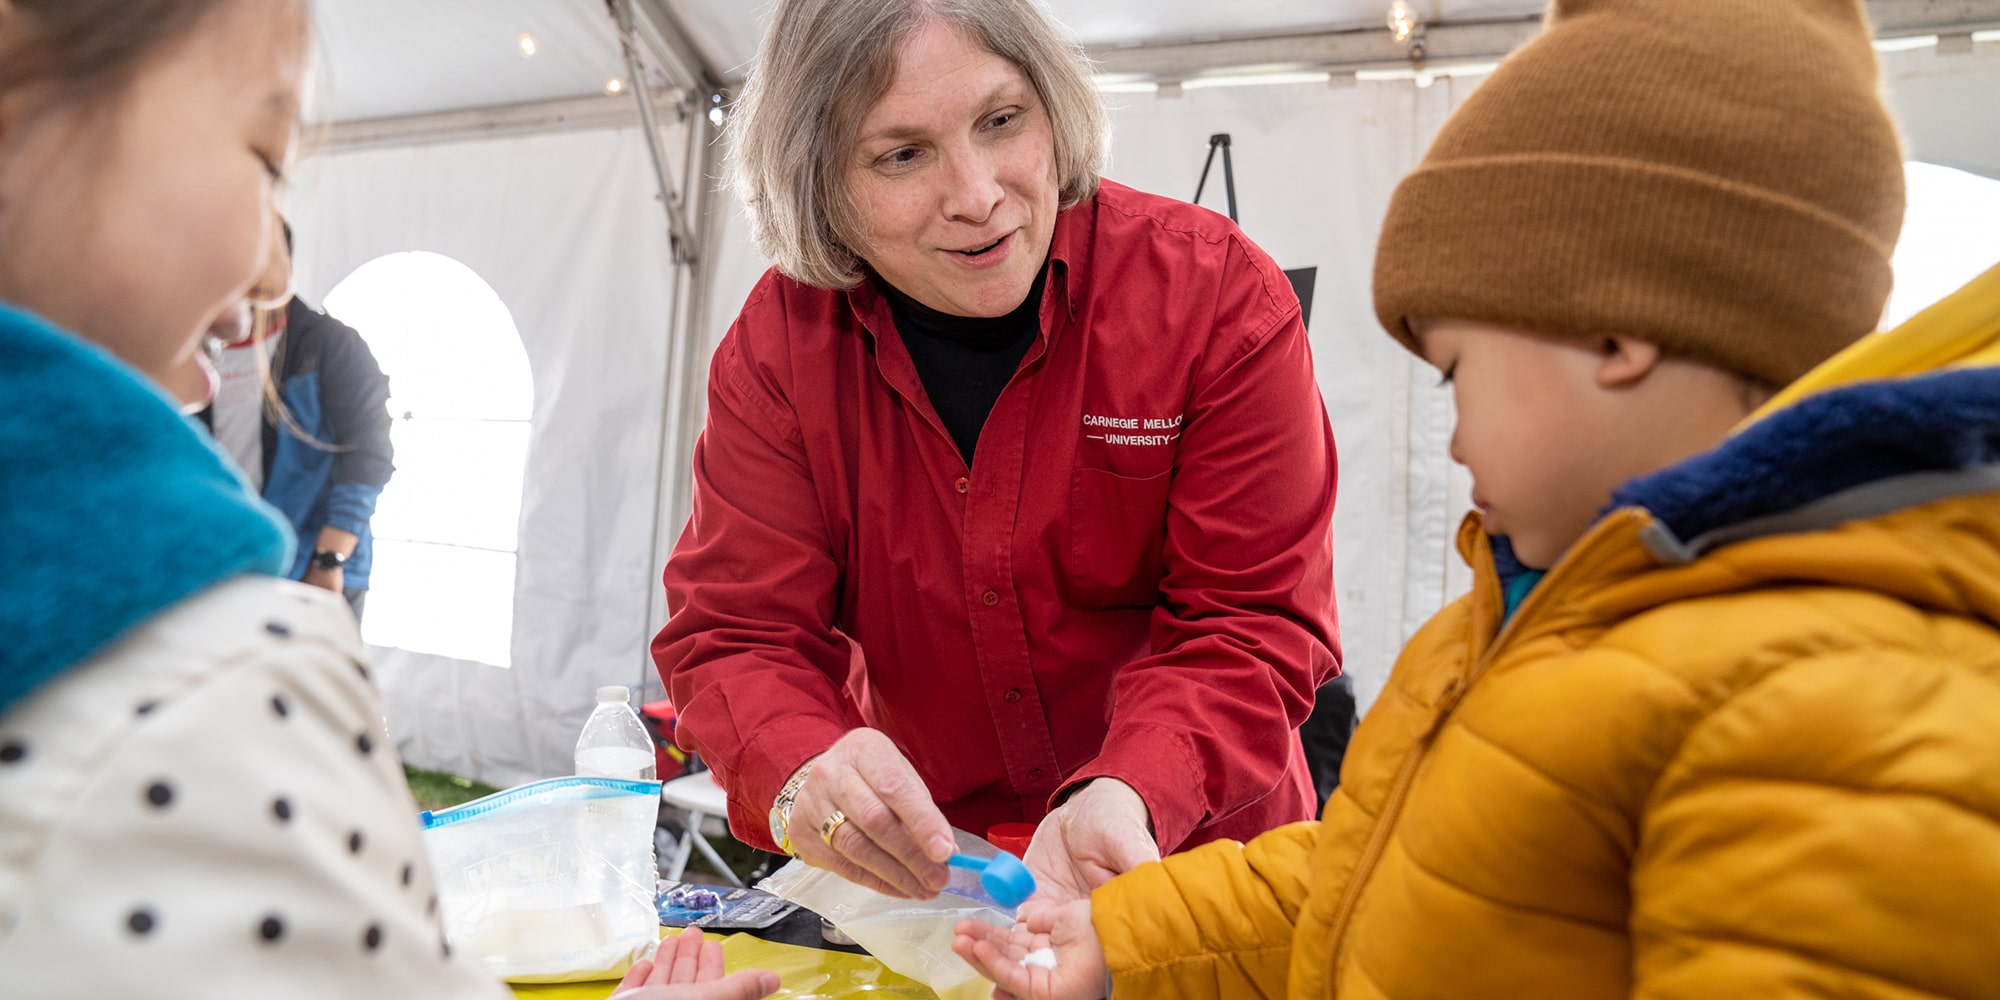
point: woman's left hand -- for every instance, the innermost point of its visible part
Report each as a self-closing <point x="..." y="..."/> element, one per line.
<point x="1100" y="831"/>
<point x="686" y="967"/>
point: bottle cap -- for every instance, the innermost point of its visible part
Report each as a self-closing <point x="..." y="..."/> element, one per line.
<point x="1007" y="880"/>
<point x="1011" y="837"/>
<point x="1003" y="876"/>
<point x="613" y="693"/>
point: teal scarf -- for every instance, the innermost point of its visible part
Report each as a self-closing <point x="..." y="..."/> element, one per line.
<point x="113" y="506"/>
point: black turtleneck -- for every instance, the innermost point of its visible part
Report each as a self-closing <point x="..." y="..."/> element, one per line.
<point x="965" y="361"/>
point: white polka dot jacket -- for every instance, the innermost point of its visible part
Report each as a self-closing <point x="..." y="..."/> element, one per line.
<point x="198" y="796"/>
<point x="212" y="808"/>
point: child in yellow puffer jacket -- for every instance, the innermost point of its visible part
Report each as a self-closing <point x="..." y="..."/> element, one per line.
<point x="1719" y="715"/>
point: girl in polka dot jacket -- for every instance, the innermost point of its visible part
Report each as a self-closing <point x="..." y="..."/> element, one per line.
<point x="197" y="795"/>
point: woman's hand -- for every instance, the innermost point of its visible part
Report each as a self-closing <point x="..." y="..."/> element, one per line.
<point x="1100" y="831"/>
<point x="686" y="967"/>
<point x="893" y="840"/>
<point x="998" y="953"/>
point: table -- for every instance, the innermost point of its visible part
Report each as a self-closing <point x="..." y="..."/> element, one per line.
<point x="808" y="968"/>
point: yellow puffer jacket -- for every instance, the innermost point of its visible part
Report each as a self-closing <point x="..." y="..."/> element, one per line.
<point x="1743" y="740"/>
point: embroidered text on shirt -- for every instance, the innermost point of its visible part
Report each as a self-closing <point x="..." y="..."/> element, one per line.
<point x="1109" y="424"/>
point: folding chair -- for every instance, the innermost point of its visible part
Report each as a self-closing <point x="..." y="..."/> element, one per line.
<point x="697" y="797"/>
<point x="694" y="796"/>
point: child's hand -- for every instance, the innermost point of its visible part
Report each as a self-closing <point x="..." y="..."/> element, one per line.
<point x="998" y="953"/>
<point x="688" y="968"/>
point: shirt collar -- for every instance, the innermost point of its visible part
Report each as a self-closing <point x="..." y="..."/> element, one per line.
<point x="1069" y="252"/>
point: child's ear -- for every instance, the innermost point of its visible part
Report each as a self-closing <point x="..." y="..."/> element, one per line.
<point x="1624" y="362"/>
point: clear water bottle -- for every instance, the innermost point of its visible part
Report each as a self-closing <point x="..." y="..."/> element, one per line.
<point x="614" y="743"/>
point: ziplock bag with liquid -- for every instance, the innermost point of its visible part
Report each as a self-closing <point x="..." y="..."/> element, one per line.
<point x="550" y="881"/>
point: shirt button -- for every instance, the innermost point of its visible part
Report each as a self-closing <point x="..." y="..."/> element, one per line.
<point x="991" y="598"/>
<point x="1034" y="774"/>
<point x="963" y="484"/>
<point x="1013" y="695"/>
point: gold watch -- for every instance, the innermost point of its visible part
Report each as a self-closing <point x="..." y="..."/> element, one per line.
<point x="781" y="809"/>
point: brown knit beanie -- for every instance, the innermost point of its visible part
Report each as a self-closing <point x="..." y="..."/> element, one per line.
<point x="1719" y="177"/>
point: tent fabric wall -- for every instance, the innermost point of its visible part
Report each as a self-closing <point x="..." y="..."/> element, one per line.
<point x="1315" y="166"/>
<point x="563" y="226"/>
<point x="1948" y="105"/>
<point x="566" y="230"/>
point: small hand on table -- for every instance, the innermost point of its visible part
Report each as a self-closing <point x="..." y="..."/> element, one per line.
<point x="687" y="967"/>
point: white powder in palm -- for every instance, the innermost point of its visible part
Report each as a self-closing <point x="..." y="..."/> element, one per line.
<point x="1044" y="957"/>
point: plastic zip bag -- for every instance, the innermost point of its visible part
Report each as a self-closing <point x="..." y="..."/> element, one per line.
<point x="551" y="881"/>
<point x="910" y="936"/>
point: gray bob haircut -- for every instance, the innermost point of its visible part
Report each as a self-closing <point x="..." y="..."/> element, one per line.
<point x="824" y="63"/>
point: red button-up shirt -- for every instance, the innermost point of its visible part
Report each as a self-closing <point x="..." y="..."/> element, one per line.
<point x="1134" y="579"/>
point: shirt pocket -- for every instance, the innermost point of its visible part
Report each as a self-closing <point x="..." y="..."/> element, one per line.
<point x="1117" y="531"/>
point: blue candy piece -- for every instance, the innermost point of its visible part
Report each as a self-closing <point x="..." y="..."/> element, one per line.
<point x="1003" y="876"/>
<point x="694" y="898"/>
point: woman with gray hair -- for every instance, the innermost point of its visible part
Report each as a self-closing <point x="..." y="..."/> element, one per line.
<point x="1014" y="500"/>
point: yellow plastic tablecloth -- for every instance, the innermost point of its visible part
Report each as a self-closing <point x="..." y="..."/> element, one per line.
<point x="805" y="974"/>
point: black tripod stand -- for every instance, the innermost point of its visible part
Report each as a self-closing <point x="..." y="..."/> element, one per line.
<point x="1302" y="278"/>
<point x="1219" y="140"/>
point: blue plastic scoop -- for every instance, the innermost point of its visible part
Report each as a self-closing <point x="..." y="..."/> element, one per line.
<point x="1003" y="876"/>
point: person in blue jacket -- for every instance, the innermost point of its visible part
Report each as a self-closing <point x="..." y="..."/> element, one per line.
<point x="324" y="458"/>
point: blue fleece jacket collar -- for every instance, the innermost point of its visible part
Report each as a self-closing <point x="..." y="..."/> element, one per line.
<point x="1824" y="445"/>
<point x="1828" y="444"/>
<point x="113" y="506"/>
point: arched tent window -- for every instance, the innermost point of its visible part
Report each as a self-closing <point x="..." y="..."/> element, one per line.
<point x="1951" y="234"/>
<point x="461" y="395"/>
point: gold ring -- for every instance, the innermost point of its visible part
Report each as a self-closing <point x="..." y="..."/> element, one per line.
<point x="831" y="824"/>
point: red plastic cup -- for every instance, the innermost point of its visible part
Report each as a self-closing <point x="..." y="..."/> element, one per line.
<point x="1011" y="837"/>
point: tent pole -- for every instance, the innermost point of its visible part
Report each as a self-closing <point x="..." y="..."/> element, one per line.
<point x="677" y="233"/>
<point x="699" y="168"/>
<point x="684" y="401"/>
<point x="679" y="393"/>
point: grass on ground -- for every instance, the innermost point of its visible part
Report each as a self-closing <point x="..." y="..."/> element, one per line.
<point x="739" y="856"/>
<point x="437" y="790"/>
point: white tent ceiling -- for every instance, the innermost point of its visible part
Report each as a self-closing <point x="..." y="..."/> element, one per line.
<point x="390" y="58"/>
<point x="729" y="33"/>
<point x="397" y="58"/>
<point x="393" y="59"/>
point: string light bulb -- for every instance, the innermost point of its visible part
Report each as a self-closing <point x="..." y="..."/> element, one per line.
<point x="615" y="87"/>
<point x="529" y="46"/>
<point x="1402" y="21"/>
